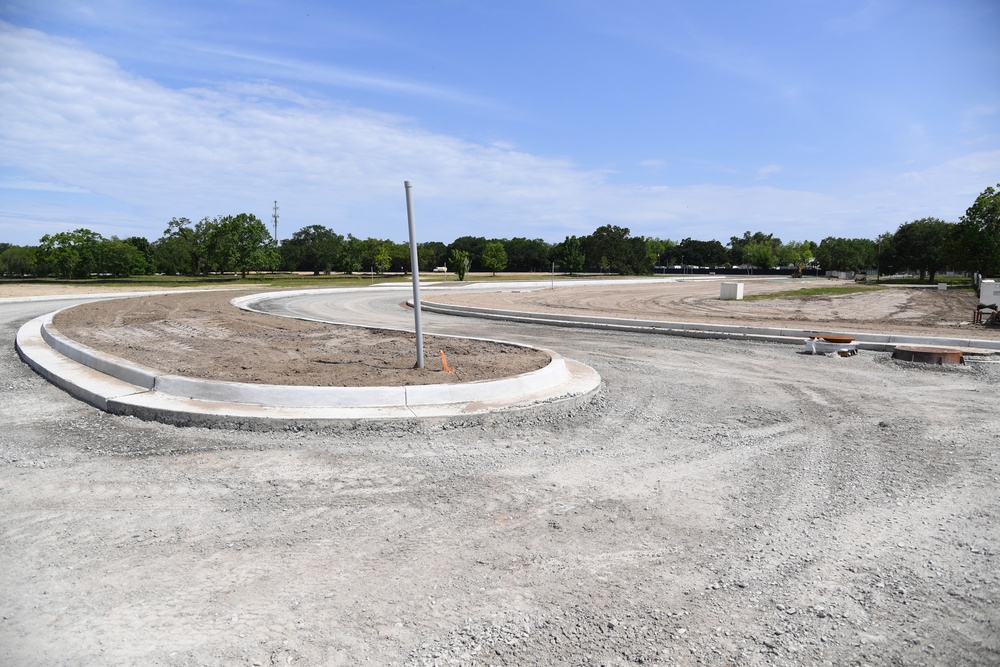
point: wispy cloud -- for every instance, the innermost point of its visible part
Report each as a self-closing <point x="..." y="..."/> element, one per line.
<point x="39" y="186"/>
<point x="864" y="18"/>
<point x="672" y="31"/>
<point x="767" y="171"/>
<point x="131" y="154"/>
<point x="348" y="78"/>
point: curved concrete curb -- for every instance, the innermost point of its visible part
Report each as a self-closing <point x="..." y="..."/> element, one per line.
<point x="122" y="387"/>
<point x="866" y="341"/>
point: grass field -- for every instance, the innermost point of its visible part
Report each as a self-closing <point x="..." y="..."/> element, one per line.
<point x="814" y="292"/>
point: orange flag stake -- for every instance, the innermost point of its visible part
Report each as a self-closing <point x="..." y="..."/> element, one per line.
<point x="444" y="362"/>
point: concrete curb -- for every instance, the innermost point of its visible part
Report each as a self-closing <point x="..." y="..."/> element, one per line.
<point x="122" y="387"/>
<point x="866" y="341"/>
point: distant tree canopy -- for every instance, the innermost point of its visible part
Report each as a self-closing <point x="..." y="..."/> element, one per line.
<point x="839" y="254"/>
<point x="691" y="252"/>
<point x="314" y="248"/>
<point x="975" y="241"/>
<point x="241" y="243"/>
<point x="614" y="248"/>
<point x="760" y="244"/>
<point x="920" y="246"/>
<point x="569" y="254"/>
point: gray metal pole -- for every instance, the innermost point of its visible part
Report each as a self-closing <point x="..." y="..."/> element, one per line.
<point x="415" y="270"/>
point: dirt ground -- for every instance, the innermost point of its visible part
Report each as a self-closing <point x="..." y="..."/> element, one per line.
<point x="202" y="335"/>
<point x="718" y="503"/>
<point x="18" y="289"/>
<point x="902" y="310"/>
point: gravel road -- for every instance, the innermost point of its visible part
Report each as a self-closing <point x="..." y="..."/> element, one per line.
<point x="718" y="503"/>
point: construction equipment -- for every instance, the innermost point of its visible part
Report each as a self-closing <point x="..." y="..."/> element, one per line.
<point x="991" y="313"/>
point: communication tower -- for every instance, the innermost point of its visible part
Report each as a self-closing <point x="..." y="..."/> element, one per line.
<point x="274" y="219"/>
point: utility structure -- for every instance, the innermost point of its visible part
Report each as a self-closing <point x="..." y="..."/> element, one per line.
<point x="274" y="219"/>
<point x="415" y="273"/>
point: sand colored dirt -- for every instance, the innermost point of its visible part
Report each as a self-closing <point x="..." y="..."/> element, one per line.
<point x="202" y="335"/>
<point x="902" y="310"/>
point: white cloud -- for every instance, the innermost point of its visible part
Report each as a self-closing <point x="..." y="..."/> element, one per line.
<point x="865" y="18"/>
<point x="767" y="171"/>
<point x="39" y="186"/>
<point x="341" y="76"/>
<point x="122" y="155"/>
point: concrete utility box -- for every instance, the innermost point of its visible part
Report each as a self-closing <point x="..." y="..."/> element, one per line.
<point x="731" y="291"/>
<point x="989" y="292"/>
<point x="942" y="287"/>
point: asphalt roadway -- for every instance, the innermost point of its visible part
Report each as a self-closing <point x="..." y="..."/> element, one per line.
<point x="719" y="502"/>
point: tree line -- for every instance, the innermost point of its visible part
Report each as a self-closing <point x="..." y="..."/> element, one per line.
<point x="242" y="244"/>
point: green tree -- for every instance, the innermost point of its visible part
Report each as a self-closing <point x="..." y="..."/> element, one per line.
<point x="89" y="248"/>
<point x="460" y="262"/>
<point x="473" y="246"/>
<point x="171" y="256"/>
<point x="314" y="248"/>
<point x="527" y="254"/>
<point x="121" y="259"/>
<point x="16" y="261"/>
<point x="59" y="254"/>
<point x="760" y="255"/>
<point x="737" y="246"/>
<point x="143" y="245"/>
<point x="239" y="242"/>
<point x="572" y="258"/>
<point x="399" y="255"/>
<point x="354" y="254"/>
<point x="692" y="252"/>
<point x="189" y="253"/>
<point x="840" y="254"/>
<point x="795" y="253"/>
<point x="614" y="245"/>
<point x="885" y="254"/>
<point x="431" y="255"/>
<point x="660" y="252"/>
<point x="975" y="241"/>
<point x="495" y="257"/>
<point x="921" y="244"/>
<point x="382" y="259"/>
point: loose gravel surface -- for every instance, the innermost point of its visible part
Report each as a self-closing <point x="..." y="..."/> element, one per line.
<point x="725" y="503"/>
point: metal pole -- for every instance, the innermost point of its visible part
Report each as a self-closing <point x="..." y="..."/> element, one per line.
<point x="415" y="270"/>
<point x="553" y="275"/>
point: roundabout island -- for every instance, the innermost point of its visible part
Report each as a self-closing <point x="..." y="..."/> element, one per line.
<point x="204" y="359"/>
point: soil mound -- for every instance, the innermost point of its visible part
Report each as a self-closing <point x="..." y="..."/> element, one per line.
<point x="202" y="335"/>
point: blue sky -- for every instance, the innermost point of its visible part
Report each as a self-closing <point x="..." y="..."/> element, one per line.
<point x="542" y="119"/>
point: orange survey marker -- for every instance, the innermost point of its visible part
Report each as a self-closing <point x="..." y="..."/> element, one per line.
<point x="444" y="362"/>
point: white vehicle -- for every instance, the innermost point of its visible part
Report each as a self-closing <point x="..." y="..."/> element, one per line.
<point x="441" y="269"/>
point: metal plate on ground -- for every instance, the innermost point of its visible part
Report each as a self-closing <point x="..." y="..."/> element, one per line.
<point x="940" y="356"/>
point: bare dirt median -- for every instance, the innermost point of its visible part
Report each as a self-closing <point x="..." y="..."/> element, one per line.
<point x="202" y="335"/>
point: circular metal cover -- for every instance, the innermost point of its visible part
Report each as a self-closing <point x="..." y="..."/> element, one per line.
<point x="928" y="355"/>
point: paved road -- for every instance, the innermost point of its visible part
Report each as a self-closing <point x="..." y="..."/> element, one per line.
<point x="719" y="502"/>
